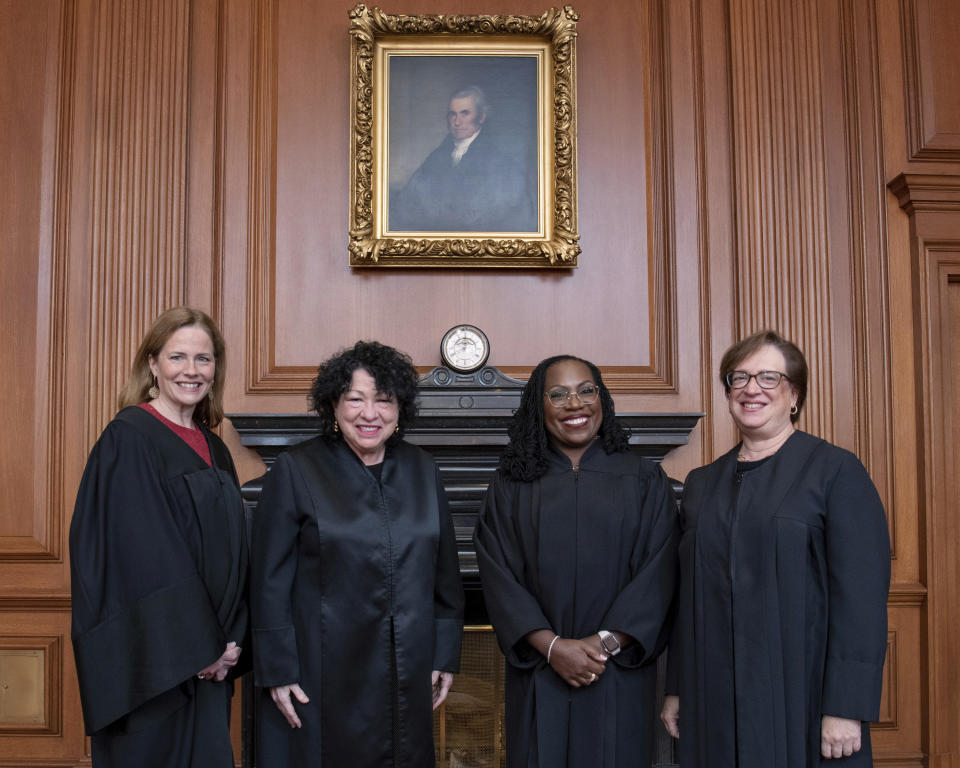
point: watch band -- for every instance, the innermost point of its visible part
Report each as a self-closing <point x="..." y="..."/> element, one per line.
<point x="609" y="642"/>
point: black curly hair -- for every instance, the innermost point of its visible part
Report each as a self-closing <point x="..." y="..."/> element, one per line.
<point x="391" y="369"/>
<point x="525" y="457"/>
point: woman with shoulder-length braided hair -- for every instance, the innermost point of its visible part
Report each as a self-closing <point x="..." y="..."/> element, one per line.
<point x="576" y="544"/>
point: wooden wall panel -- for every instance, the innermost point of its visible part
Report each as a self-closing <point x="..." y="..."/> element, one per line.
<point x="783" y="267"/>
<point x="931" y="37"/>
<point x="297" y="278"/>
<point x="55" y="738"/>
<point x="933" y="205"/>
<point x="138" y="179"/>
<point x="36" y="49"/>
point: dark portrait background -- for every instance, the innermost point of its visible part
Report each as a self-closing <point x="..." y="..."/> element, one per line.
<point x="419" y="97"/>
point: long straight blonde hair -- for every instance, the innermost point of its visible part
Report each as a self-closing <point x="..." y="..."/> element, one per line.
<point x="210" y="410"/>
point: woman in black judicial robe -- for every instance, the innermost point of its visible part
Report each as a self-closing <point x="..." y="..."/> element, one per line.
<point x="777" y="653"/>
<point x="576" y="545"/>
<point x="356" y="595"/>
<point x="158" y="561"/>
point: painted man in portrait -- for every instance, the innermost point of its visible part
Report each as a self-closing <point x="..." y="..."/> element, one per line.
<point x="475" y="181"/>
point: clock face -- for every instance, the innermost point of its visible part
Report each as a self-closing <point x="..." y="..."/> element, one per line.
<point x="464" y="348"/>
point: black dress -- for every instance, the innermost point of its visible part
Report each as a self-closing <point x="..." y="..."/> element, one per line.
<point x="782" y="616"/>
<point x="576" y="552"/>
<point x="356" y="596"/>
<point x="158" y="562"/>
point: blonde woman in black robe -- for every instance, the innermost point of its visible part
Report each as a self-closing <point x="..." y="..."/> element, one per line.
<point x="777" y="654"/>
<point x="158" y="561"/>
<point x="576" y="545"/>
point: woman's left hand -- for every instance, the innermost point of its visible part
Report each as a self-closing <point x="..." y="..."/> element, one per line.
<point x="221" y="667"/>
<point x="839" y="737"/>
<point x="441" y="682"/>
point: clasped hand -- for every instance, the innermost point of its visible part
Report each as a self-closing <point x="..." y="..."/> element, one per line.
<point x="221" y="667"/>
<point x="579" y="661"/>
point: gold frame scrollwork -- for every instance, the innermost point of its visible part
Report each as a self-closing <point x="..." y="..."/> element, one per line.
<point x="556" y="243"/>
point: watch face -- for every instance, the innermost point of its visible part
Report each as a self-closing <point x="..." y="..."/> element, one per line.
<point x="464" y="348"/>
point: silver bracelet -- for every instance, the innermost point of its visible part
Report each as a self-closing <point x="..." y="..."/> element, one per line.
<point x="550" y="647"/>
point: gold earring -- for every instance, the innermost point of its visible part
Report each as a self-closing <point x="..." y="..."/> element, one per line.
<point x="396" y="430"/>
<point x="154" y="391"/>
<point x="336" y="426"/>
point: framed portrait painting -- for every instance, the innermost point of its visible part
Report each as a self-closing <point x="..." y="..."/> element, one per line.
<point x="463" y="140"/>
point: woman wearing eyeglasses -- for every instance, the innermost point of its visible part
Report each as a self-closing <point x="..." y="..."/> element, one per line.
<point x="781" y="630"/>
<point x="576" y="545"/>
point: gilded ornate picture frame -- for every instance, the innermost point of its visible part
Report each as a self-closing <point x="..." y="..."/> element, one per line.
<point x="463" y="140"/>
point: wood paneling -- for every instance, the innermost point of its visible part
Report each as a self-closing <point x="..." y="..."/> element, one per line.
<point x="138" y="174"/>
<point x="933" y="203"/>
<point x="783" y="267"/>
<point x="931" y="37"/>
<point x="291" y="285"/>
<point x="30" y="685"/>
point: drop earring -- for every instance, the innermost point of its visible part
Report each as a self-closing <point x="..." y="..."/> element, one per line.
<point x="336" y="426"/>
<point x="154" y="391"/>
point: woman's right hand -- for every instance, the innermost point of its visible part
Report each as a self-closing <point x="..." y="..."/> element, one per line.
<point x="281" y="697"/>
<point x="577" y="661"/>
<point x="670" y="715"/>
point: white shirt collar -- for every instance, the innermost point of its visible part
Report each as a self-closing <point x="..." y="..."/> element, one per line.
<point x="460" y="147"/>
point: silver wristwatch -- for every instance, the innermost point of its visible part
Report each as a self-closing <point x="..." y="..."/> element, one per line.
<point x="609" y="642"/>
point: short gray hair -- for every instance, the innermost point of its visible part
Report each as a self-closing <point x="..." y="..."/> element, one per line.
<point x="478" y="96"/>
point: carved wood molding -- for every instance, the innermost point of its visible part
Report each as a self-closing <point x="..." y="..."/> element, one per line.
<point x="923" y="143"/>
<point x="31" y="667"/>
<point x="138" y="172"/>
<point x="888" y="703"/>
<point x="263" y="374"/>
<point x="869" y="251"/>
<point x="918" y="192"/>
<point x="782" y="265"/>
<point x="45" y="543"/>
<point x="937" y="319"/>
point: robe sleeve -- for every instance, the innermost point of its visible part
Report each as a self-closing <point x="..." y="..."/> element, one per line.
<point x="143" y="621"/>
<point x="858" y="565"/>
<point x="448" y="597"/>
<point x="514" y="611"/>
<point x="643" y="607"/>
<point x="273" y="569"/>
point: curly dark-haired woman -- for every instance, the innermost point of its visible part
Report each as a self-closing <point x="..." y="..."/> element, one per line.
<point x="577" y="550"/>
<point x="356" y="595"/>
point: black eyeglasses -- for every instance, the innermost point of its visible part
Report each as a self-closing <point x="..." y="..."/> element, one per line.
<point x="765" y="379"/>
<point x="587" y="395"/>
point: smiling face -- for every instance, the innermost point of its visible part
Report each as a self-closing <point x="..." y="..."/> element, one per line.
<point x="463" y="117"/>
<point x="759" y="413"/>
<point x="366" y="417"/>
<point x="573" y="426"/>
<point x="184" y="368"/>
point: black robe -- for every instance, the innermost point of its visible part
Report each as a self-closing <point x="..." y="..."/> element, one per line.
<point x="487" y="191"/>
<point x="356" y="596"/>
<point x="782" y="616"/>
<point x="158" y="561"/>
<point x="577" y="552"/>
